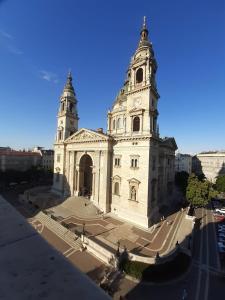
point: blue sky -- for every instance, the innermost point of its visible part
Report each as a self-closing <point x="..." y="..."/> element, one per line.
<point x="40" y="40"/>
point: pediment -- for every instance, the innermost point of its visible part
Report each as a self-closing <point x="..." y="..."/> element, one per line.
<point x="86" y="135"/>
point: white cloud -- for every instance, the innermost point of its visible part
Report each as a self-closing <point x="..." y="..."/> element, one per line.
<point x="9" y="43"/>
<point x="49" y="76"/>
<point x="6" y="34"/>
<point x="14" y="50"/>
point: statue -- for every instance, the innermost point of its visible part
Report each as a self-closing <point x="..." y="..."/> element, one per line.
<point x="133" y="193"/>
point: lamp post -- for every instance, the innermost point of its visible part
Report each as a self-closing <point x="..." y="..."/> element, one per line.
<point x="83" y="230"/>
<point x="118" y="249"/>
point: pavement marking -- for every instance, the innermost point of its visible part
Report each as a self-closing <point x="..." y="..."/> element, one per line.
<point x="166" y="238"/>
<point x="65" y="252"/>
<point x="201" y="251"/>
<point x="72" y="252"/>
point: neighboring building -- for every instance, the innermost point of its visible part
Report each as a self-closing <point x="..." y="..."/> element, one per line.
<point x="211" y="164"/>
<point x="18" y="160"/>
<point x="183" y="162"/>
<point x="129" y="170"/>
<point x="47" y="158"/>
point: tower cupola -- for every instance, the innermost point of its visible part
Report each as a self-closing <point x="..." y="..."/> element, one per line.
<point x="144" y="35"/>
<point x="67" y="115"/>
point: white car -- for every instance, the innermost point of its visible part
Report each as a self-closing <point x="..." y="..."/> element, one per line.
<point x="221" y="211"/>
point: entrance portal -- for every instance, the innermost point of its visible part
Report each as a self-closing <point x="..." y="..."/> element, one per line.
<point x="86" y="164"/>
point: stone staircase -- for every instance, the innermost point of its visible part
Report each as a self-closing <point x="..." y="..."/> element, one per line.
<point x="69" y="237"/>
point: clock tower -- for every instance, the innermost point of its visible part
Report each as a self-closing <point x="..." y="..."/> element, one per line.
<point x="135" y="111"/>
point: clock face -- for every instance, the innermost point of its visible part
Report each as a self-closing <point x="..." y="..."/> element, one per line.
<point x="137" y="102"/>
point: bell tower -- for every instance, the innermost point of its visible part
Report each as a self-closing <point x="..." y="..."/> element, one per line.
<point x="67" y="114"/>
<point x="134" y="111"/>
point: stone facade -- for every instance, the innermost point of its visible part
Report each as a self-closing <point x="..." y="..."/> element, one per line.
<point x="18" y="160"/>
<point x="183" y="162"/>
<point x="211" y="164"/>
<point x="130" y="170"/>
<point x="47" y="158"/>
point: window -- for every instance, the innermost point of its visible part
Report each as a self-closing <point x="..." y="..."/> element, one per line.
<point x="116" y="188"/>
<point x="117" y="162"/>
<point x="139" y="75"/>
<point x="136" y="124"/>
<point x="58" y="157"/>
<point x="134" y="162"/>
<point x="125" y="123"/>
<point x="118" y="123"/>
<point x="63" y="106"/>
<point x="71" y="107"/>
<point x="114" y="124"/>
<point x="116" y="185"/>
<point x="60" y="135"/>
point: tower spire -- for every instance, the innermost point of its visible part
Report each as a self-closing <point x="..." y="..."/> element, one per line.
<point x="144" y="23"/>
<point x="69" y="85"/>
<point x="144" y="34"/>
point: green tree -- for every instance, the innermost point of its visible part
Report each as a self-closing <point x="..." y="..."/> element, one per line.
<point x="181" y="180"/>
<point x="199" y="192"/>
<point x="220" y="184"/>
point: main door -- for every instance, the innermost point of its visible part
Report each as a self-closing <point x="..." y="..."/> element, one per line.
<point x="86" y="175"/>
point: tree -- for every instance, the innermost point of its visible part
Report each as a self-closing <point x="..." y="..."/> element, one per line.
<point x="181" y="180"/>
<point x="220" y="184"/>
<point x="199" y="192"/>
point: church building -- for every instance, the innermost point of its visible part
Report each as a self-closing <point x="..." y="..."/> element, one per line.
<point x="129" y="170"/>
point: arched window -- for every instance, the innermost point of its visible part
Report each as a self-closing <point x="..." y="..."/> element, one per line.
<point x="71" y="107"/>
<point x="125" y="123"/>
<point x="139" y="75"/>
<point x="114" y="124"/>
<point x="60" y="135"/>
<point x="118" y="123"/>
<point x="136" y="124"/>
<point x="116" y="188"/>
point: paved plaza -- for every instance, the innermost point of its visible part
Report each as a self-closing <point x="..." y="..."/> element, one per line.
<point x="80" y="214"/>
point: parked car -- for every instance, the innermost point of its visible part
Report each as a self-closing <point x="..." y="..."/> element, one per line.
<point x="221" y="225"/>
<point x="221" y="229"/>
<point x="221" y="235"/>
<point x="219" y="218"/>
<point x="220" y="211"/>
<point x="221" y="249"/>
<point x="220" y="244"/>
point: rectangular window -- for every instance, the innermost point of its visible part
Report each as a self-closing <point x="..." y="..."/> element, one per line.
<point x="117" y="162"/>
<point x="134" y="162"/>
<point x="58" y="157"/>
